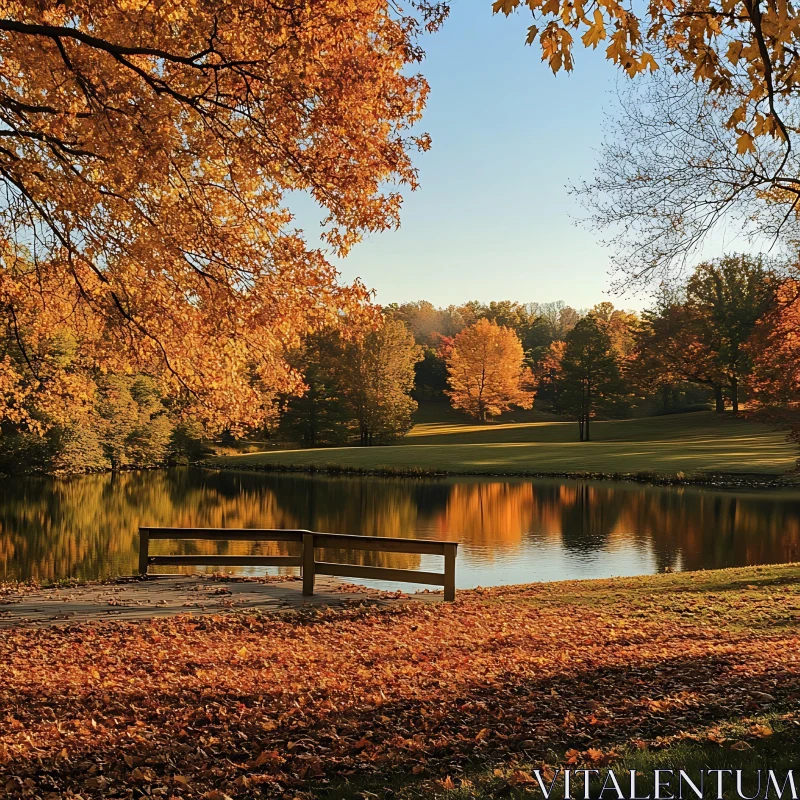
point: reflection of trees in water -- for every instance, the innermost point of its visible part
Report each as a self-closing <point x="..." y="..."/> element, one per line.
<point x="578" y="516"/>
<point x="367" y="506"/>
<point x="589" y="515"/>
<point x="487" y="515"/>
<point x="693" y="527"/>
<point x="87" y="526"/>
<point x="715" y="529"/>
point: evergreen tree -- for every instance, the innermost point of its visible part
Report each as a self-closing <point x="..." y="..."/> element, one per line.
<point x="589" y="372"/>
<point x="319" y="416"/>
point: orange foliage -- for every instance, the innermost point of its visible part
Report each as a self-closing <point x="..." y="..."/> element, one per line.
<point x="775" y="349"/>
<point x="486" y="370"/>
<point x="148" y="150"/>
<point x="742" y="49"/>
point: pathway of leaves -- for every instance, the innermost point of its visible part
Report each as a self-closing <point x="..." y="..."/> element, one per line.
<point x="268" y="706"/>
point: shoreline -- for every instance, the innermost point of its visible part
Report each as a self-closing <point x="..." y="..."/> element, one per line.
<point x="133" y="599"/>
<point x="719" y="480"/>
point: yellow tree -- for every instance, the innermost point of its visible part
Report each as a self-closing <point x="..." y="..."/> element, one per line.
<point x="146" y="155"/>
<point x="486" y="371"/>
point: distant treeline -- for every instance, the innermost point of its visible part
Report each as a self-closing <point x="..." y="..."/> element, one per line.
<point x="124" y="423"/>
<point x="728" y="336"/>
<point x="730" y="331"/>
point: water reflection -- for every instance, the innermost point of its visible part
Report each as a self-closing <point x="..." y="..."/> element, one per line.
<point x="511" y="530"/>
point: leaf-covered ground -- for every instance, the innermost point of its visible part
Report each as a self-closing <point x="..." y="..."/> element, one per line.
<point x="419" y="698"/>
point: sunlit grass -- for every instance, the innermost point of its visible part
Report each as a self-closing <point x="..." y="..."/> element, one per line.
<point x="777" y="753"/>
<point x="689" y="443"/>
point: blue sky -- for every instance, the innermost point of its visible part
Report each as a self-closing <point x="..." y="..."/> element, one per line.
<point x="493" y="219"/>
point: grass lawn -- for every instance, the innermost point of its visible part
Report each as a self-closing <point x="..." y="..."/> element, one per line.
<point x="449" y="701"/>
<point x="701" y="442"/>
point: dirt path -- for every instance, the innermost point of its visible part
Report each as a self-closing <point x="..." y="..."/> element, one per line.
<point x="169" y="595"/>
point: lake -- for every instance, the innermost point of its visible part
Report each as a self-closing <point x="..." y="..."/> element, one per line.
<point x="510" y="530"/>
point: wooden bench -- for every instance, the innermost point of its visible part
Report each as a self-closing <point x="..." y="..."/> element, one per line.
<point x="309" y="541"/>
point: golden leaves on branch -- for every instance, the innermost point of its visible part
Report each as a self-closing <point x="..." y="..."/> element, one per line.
<point x="745" y="144"/>
<point x="556" y="40"/>
<point x="741" y="49"/>
<point x="149" y="151"/>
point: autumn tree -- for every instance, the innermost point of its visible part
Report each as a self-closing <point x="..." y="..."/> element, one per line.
<point x="548" y="373"/>
<point x="426" y="321"/>
<point x="134" y="427"/>
<point x="125" y="424"/>
<point x="558" y="319"/>
<point x="63" y="415"/>
<point x="730" y="295"/>
<point x="621" y="327"/>
<point x="536" y="324"/>
<point x="377" y="381"/>
<point x="486" y="371"/>
<point x="670" y="349"/>
<point x="774" y="349"/>
<point x="590" y="373"/>
<point x="509" y="314"/>
<point x="148" y="153"/>
<point x="319" y="415"/>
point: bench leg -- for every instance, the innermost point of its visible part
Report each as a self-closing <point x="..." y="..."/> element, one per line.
<point x="144" y="548"/>
<point x="450" y="572"/>
<point x="308" y="564"/>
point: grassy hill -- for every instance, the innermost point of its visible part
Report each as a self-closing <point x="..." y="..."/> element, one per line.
<point x="701" y="442"/>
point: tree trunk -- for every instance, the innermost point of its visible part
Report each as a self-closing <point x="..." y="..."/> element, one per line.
<point x="665" y="397"/>
<point x="588" y="408"/>
<point x="312" y="429"/>
<point x="735" y="394"/>
<point x="719" y="399"/>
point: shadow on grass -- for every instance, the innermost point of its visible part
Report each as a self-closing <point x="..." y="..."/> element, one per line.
<point x="780" y="753"/>
<point x="729" y="586"/>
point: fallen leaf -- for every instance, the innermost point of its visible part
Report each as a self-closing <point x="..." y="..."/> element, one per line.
<point x="741" y="746"/>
